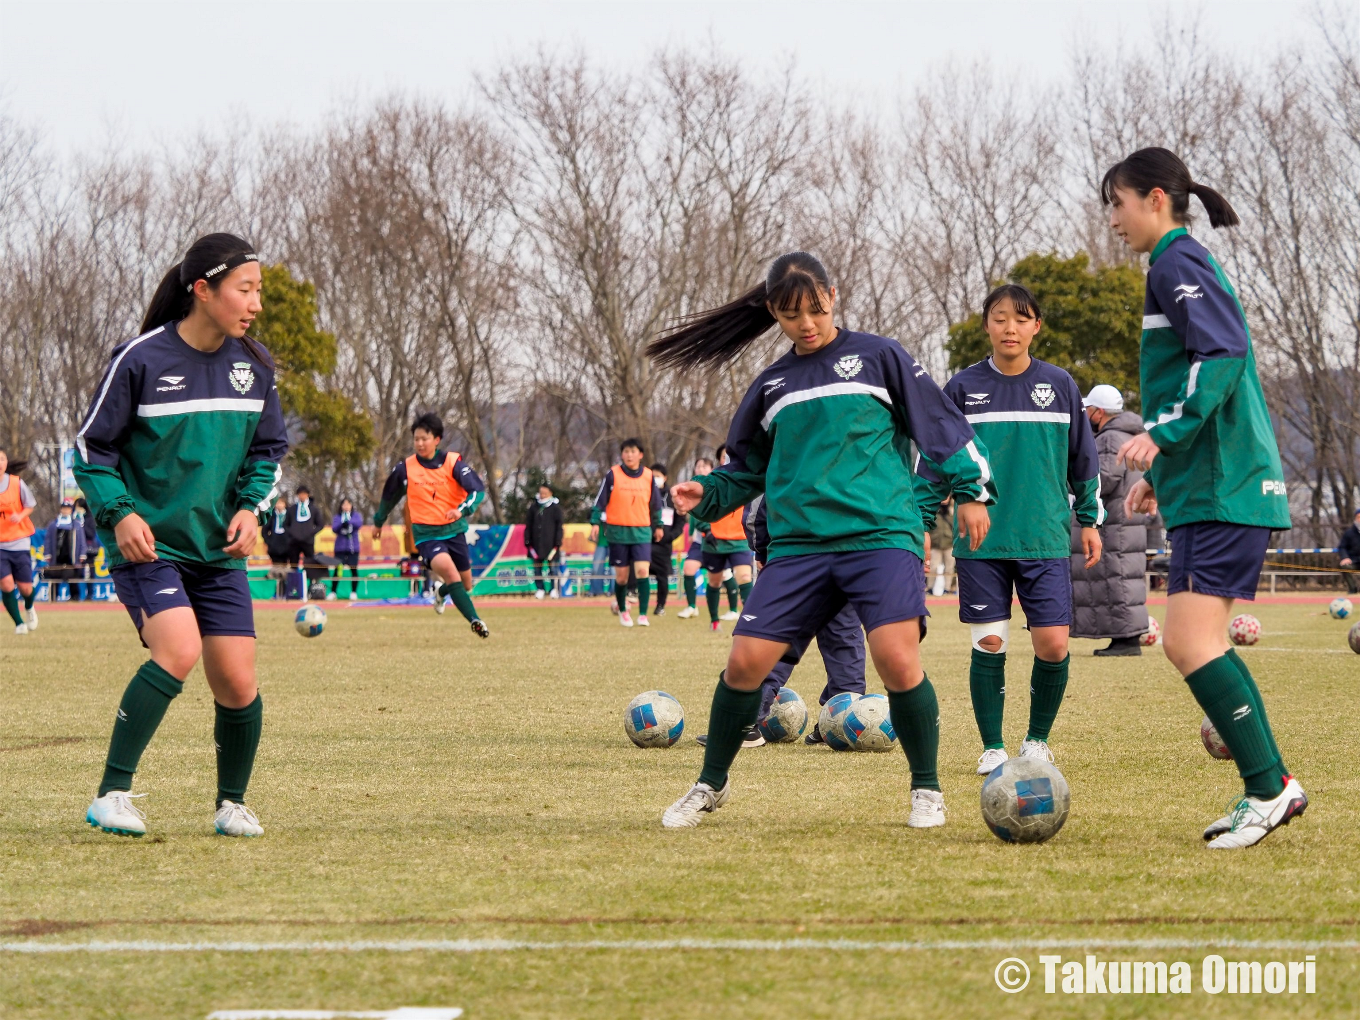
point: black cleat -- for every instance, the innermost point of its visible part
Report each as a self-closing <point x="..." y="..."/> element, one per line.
<point x="751" y="738"/>
<point x="480" y="629"/>
<point x="1122" y="646"/>
<point x="815" y="737"/>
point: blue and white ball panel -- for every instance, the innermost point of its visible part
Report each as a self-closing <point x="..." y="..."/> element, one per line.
<point x="867" y="726"/>
<point x="654" y="719"/>
<point x="832" y="720"/>
<point x="787" y="720"/>
<point x="1025" y="800"/>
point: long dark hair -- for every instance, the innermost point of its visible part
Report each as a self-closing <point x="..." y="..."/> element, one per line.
<point x="715" y="337"/>
<point x="1022" y="298"/>
<point x="1161" y="168"/>
<point x="174" y="298"/>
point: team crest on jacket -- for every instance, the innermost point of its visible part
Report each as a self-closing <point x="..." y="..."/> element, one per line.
<point x="848" y="367"/>
<point x="1042" y="394"/>
<point x="242" y="377"/>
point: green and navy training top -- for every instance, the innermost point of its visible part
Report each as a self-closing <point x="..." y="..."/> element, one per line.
<point x="1042" y="451"/>
<point x="183" y="438"/>
<point x="1202" y="397"/>
<point x="827" y="437"/>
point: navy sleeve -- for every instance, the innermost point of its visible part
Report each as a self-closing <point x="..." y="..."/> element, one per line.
<point x="106" y="427"/>
<point x="602" y="498"/>
<point x="394" y="489"/>
<point x="466" y="477"/>
<point x="1200" y="309"/>
<point x="257" y="481"/>
<point x="1083" y="463"/>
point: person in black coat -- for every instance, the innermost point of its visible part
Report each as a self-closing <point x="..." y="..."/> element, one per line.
<point x="672" y="527"/>
<point x="304" y="522"/>
<point x="277" y="543"/>
<point x="543" y="537"/>
<point x="1349" y="548"/>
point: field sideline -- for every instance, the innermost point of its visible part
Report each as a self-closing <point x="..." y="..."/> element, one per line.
<point x="473" y="812"/>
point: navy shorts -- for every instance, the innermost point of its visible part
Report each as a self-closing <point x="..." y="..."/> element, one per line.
<point x="18" y="564"/>
<point x="695" y="552"/>
<point x="1214" y="558"/>
<point x="717" y="561"/>
<point x="796" y="596"/>
<point x="219" y="597"/>
<point x="456" y="547"/>
<point x="1044" y="587"/>
<point x="627" y="555"/>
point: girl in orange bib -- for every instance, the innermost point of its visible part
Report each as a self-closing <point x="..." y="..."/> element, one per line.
<point x="628" y="506"/>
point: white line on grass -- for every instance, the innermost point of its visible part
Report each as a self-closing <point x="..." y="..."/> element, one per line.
<point x="655" y="945"/>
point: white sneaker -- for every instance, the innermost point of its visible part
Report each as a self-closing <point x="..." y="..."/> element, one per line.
<point x="689" y="810"/>
<point x="990" y="759"/>
<point x="1036" y="749"/>
<point x="114" y="812"/>
<point x="31" y="616"/>
<point x="689" y="612"/>
<point x="1253" y="820"/>
<point x="938" y="590"/>
<point x="330" y="596"/>
<point x="234" y="819"/>
<point x="927" y="809"/>
<point x="625" y="619"/>
<point x="730" y="615"/>
<point x="439" y="603"/>
<point x="554" y="594"/>
<point x="642" y="621"/>
<point x="540" y="594"/>
<point x="21" y="630"/>
<point x="354" y="596"/>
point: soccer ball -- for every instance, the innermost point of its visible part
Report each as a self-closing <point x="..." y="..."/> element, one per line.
<point x="787" y="720"/>
<point x="309" y="621"/>
<point x="1244" y="630"/>
<point x="1154" y="633"/>
<point x="654" y="719"/>
<point x="832" y="720"/>
<point x="1025" y="800"/>
<point x="317" y="590"/>
<point x="1353" y="638"/>
<point x="1340" y="609"/>
<point x="1213" y="743"/>
<point x="868" y="726"/>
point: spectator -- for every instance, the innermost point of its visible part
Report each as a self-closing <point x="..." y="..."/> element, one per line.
<point x="672" y="527"/>
<point x="543" y="533"/>
<point x="304" y="522"/>
<point x="277" y="543"/>
<point x="64" y="545"/>
<point x="1110" y="599"/>
<point x="1349" y="548"/>
<point x="86" y="520"/>
<point x="942" y="548"/>
<point x="346" y="525"/>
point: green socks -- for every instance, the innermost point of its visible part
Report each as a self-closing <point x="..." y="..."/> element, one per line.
<point x="621" y="596"/>
<point x="745" y="590"/>
<point x="139" y="714"/>
<point x="1226" y="696"/>
<point x="462" y="601"/>
<point x="691" y="590"/>
<point x="987" y="683"/>
<point x="731" y="585"/>
<point x="11" y="600"/>
<point x="916" y="719"/>
<point x="1047" y="684"/>
<point x="1258" y="703"/>
<point x="28" y="599"/>
<point x="714" y="594"/>
<point x="732" y="714"/>
<point x="644" y="595"/>
<point x="237" y="733"/>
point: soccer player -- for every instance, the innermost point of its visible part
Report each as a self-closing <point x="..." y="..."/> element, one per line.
<point x="694" y="557"/>
<point x="825" y="433"/>
<point x="726" y="547"/>
<point x="16" y="531"/>
<point x="1029" y="413"/>
<point x="672" y="526"/>
<point x="441" y="491"/>
<point x="179" y="451"/>
<point x="1212" y="467"/>
<point x="629" y="508"/>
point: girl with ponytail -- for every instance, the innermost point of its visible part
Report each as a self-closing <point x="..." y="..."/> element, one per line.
<point x="1212" y="467"/>
<point x="179" y="451"/>
<point x="826" y="434"/>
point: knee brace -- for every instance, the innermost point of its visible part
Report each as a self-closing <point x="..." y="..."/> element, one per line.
<point x="997" y="628"/>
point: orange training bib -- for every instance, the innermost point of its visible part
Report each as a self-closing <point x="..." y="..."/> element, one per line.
<point x="729" y="528"/>
<point x="630" y="501"/>
<point x="432" y="492"/>
<point x="12" y="502"/>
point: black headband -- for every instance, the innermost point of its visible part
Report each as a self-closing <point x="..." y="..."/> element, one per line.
<point x="224" y="267"/>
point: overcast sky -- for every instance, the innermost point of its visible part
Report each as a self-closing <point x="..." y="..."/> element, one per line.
<point x="154" y="72"/>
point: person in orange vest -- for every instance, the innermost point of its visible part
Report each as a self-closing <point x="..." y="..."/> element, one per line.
<point x="629" y="506"/>
<point x="16" y="562"/>
<point x="726" y="546"/>
<point x="441" y="491"/>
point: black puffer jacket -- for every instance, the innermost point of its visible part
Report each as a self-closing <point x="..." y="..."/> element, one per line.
<point x="543" y="527"/>
<point x="1110" y="599"/>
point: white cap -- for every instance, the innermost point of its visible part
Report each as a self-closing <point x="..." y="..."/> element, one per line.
<point x="1105" y="397"/>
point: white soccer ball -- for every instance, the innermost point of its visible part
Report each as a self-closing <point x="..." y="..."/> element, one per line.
<point x="309" y="621"/>
<point x="654" y="719"/>
<point x="787" y="720"/>
<point x="868" y="725"/>
<point x="1340" y="609"/>
<point x="1025" y="800"/>
<point x="1244" y="630"/>
<point x="832" y="719"/>
<point x="1154" y="633"/>
<point x="1213" y="743"/>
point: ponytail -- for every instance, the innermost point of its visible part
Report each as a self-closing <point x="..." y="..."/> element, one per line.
<point x="713" y="338"/>
<point x="170" y="303"/>
<point x="1161" y="168"/>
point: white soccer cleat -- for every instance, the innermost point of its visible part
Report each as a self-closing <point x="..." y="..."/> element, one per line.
<point x="439" y="603"/>
<point x="642" y="621"/>
<point x="480" y="628"/>
<point x="234" y="819"/>
<point x="689" y="810"/>
<point x="990" y="759"/>
<point x="927" y="809"/>
<point x="1036" y="749"/>
<point x="730" y="615"/>
<point x="688" y="613"/>
<point x="354" y="596"/>
<point x="21" y="629"/>
<point x="31" y="617"/>
<point x="1253" y="820"/>
<point x="625" y="619"/>
<point x="114" y="812"/>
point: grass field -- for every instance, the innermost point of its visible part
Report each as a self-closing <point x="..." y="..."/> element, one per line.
<point x="418" y="784"/>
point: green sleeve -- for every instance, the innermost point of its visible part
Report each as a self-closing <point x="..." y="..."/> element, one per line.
<point x="256" y="485"/>
<point x="383" y="512"/>
<point x="1090" y="511"/>
<point x="104" y="489"/>
<point x="966" y="474"/>
<point x="596" y="515"/>
<point x="726" y="490"/>
<point x="1208" y="384"/>
<point x="473" y="501"/>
